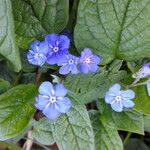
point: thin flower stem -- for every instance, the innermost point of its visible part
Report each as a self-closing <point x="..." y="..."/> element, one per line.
<point x="38" y="76"/>
<point x="127" y="138"/>
<point x="29" y="142"/>
<point x="46" y="148"/>
<point x="138" y="84"/>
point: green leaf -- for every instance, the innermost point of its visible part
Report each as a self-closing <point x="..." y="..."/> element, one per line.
<point x="35" y="18"/>
<point x="115" y="29"/>
<point x="142" y="100"/>
<point x="42" y="132"/>
<point x="92" y="86"/>
<point x="9" y="146"/>
<point x="147" y="123"/>
<point x="74" y="130"/>
<point x="6" y="73"/>
<point x="106" y="138"/>
<point x="28" y="78"/>
<point x="128" y="120"/>
<point x="8" y="47"/>
<point x="115" y="65"/>
<point x="135" y="144"/>
<point x="4" y="86"/>
<point x="16" y="109"/>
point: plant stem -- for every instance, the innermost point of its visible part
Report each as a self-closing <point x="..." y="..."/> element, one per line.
<point x="127" y="138"/>
<point x="38" y="76"/>
<point x="46" y="148"/>
<point x="29" y="142"/>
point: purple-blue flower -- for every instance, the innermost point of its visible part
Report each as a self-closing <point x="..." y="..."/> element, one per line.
<point x="88" y="61"/>
<point x="69" y="64"/>
<point x="37" y="54"/>
<point x="148" y="88"/>
<point x="118" y="98"/>
<point x="145" y="70"/>
<point x="58" y="46"/>
<point x="52" y="100"/>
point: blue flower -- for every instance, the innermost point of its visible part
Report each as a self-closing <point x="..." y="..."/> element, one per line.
<point x="118" y="98"/>
<point x="69" y="64"/>
<point x="58" y="46"/>
<point x="51" y="100"/>
<point x="88" y="61"/>
<point x="145" y="70"/>
<point x="148" y="88"/>
<point x="37" y="54"/>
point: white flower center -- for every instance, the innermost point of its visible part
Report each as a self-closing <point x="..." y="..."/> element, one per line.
<point x="87" y="60"/>
<point x="71" y="61"/>
<point x="55" y="49"/>
<point x="36" y="55"/>
<point x="118" y="98"/>
<point x="52" y="99"/>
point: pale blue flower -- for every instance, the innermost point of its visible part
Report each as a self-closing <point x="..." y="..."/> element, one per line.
<point x="69" y="64"/>
<point x="89" y="61"/>
<point x="118" y="98"/>
<point x="37" y="55"/>
<point x="52" y="100"/>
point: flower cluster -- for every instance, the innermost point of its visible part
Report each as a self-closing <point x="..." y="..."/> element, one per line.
<point x="118" y="98"/>
<point x="52" y="100"/>
<point x="54" y="50"/>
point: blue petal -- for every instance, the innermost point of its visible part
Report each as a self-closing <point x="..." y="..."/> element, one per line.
<point x="62" y="61"/>
<point x="93" y="67"/>
<point x="84" y="68"/>
<point x="34" y="44"/>
<point x="64" y="42"/>
<point x="41" y="102"/>
<point x="129" y="94"/>
<point x="64" y="69"/>
<point x="84" y="54"/>
<point x="60" y="90"/>
<point x="52" y="59"/>
<point x="145" y="70"/>
<point x="148" y="88"/>
<point x="52" y="38"/>
<point x="41" y="60"/>
<point x="51" y="112"/>
<point x="87" y="51"/>
<point x="127" y="103"/>
<point x="117" y="106"/>
<point x="64" y="105"/>
<point x="115" y="88"/>
<point x="74" y="69"/>
<point x="96" y="59"/>
<point x="43" y="48"/>
<point x="30" y="56"/>
<point x="109" y="98"/>
<point x="46" y="88"/>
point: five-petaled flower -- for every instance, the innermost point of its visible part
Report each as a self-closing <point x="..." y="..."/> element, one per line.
<point x="52" y="100"/>
<point x="118" y="98"/>
<point x="37" y="54"/>
<point x="69" y="64"/>
<point x="58" y="46"/>
<point x="88" y="61"/>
